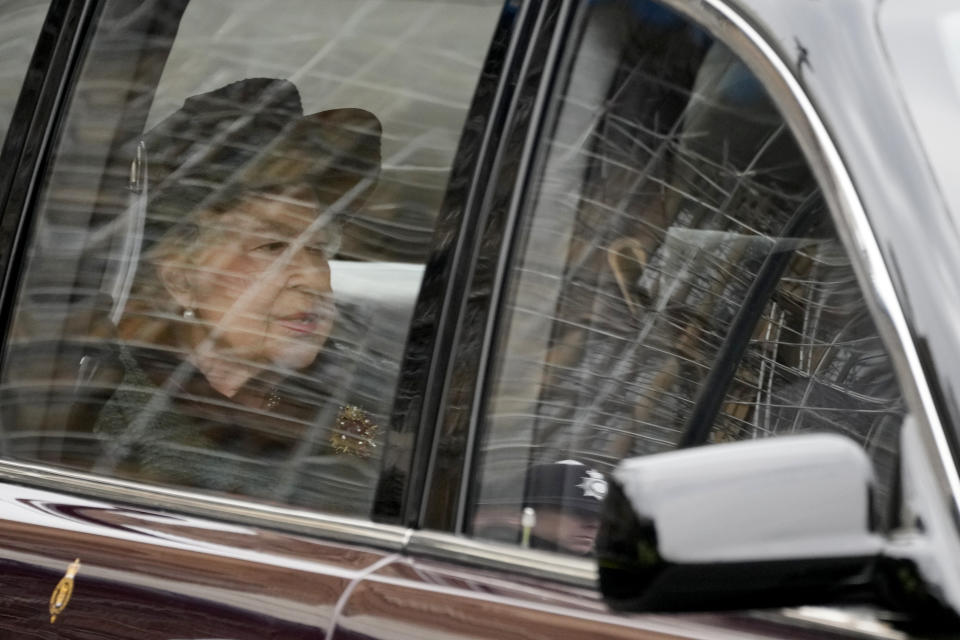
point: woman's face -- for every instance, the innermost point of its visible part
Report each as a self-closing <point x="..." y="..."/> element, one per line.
<point x="260" y="281"/>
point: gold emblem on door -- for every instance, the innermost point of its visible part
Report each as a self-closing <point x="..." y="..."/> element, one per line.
<point x="61" y="594"/>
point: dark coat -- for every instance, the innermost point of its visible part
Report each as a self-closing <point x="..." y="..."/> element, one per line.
<point x="89" y="402"/>
<point x="276" y="442"/>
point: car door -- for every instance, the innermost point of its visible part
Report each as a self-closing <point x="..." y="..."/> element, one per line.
<point x="94" y="548"/>
<point x="658" y="267"/>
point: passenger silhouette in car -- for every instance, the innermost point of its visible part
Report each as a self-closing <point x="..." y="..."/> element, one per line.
<point x="230" y="379"/>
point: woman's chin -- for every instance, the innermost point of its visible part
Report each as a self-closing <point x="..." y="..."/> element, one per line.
<point x="295" y="354"/>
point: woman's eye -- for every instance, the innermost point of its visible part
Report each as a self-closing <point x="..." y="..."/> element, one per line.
<point x="317" y="249"/>
<point x="272" y="247"/>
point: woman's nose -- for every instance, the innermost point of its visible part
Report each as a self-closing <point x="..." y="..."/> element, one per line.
<point x="312" y="266"/>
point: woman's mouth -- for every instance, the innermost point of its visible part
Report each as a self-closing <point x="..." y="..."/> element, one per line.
<point x="300" y="322"/>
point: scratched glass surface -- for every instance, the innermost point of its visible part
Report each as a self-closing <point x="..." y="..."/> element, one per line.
<point x="679" y="256"/>
<point x="247" y="340"/>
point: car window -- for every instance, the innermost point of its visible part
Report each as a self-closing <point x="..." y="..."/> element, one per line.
<point x="678" y="282"/>
<point x="20" y="22"/>
<point x="230" y="241"/>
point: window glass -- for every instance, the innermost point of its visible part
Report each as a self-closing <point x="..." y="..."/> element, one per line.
<point x="20" y="22"/>
<point x="231" y="240"/>
<point x="678" y="273"/>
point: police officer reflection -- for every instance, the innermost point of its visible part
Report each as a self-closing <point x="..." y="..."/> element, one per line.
<point x="558" y="511"/>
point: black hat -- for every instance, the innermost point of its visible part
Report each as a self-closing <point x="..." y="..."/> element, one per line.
<point x="248" y="136"/>
<point x="567" y="485"/>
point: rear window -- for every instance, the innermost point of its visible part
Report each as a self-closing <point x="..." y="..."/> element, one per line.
<point x="230" y="241"/>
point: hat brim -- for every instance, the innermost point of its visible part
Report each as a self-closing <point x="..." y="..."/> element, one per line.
<point x="336" y="152"/>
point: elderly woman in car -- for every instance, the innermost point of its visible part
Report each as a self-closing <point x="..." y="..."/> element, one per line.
<point x="231" y="381"/>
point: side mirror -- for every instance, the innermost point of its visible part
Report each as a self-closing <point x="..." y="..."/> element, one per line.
<point x="762" y="523"/>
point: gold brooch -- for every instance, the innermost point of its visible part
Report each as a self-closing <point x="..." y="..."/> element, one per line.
<point x="355" y="434"/>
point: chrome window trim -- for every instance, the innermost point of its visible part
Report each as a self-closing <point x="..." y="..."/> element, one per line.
<point x="580" y="572"/>
<point x="571" y="570"/>
<point x="288" y="519"/>
<point x="729" y="26"/>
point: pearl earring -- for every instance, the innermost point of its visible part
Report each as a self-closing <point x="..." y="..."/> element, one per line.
<point x="189" y="314"/>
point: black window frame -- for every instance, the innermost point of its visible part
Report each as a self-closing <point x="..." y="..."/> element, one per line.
<point x="36" y="118"/>
<point x="448" y="435"/>
<point x="426" y="366"/>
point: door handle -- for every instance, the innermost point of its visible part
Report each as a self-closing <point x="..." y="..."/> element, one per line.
<point x="60" y="597"/>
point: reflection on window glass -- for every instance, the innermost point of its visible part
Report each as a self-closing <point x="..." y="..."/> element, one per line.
<point x="232" y="239"/>
<point x="20" y="22"/>
<point x="679" y="282"/>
